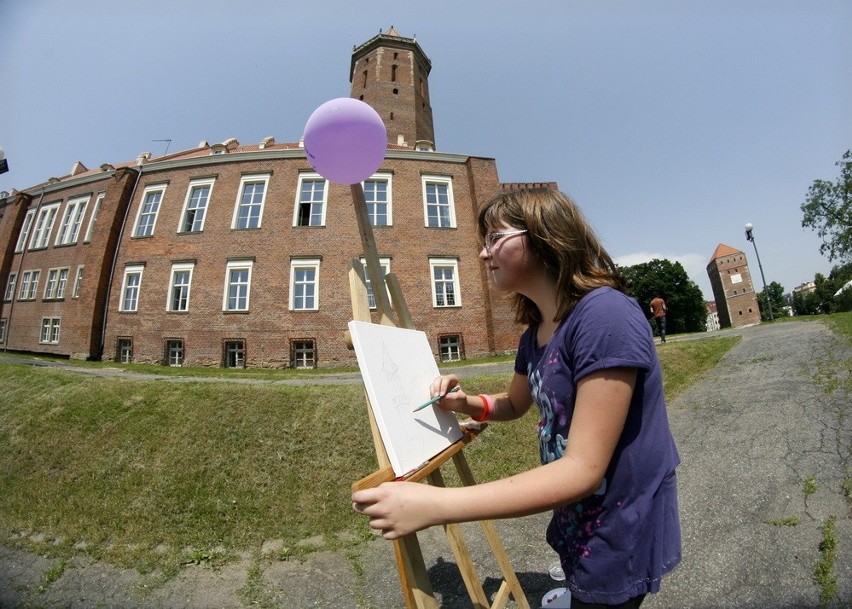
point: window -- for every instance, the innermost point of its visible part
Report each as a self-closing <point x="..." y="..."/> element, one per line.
<point x="54" y="287"/>
<point x="43" y="226"/>
<point x="179" y="287"/>
<point x="69" y="227"/>
<point x="124" y="351"/>
<point x="95" y="211"/>
<point x="438" y="202"/>
<point x="450" y="348"/>
<point x="174" y="352"/>
<point x="147" y="218"/>
<point x="49" y="330"/>
<point x="130" y="289"/>
<point x="3" y="330"/>
<point x="29" y="285"/>
<point x="304" y="284"/>
<point x="249" y="210"/>
<point x="78" y="281"/>
<point x="25" y="230"/>
<point x="371" y="297"/>
<point x="234" y="354"/>
<point x="445" y="286"/>
<point x="310" y="208"/>
<point x="195" y="206"/>
<point x="237" y="285"/>
<point x="10" y="286"/>
<point x="377" y="194"/>
<point x="303" y="353"/>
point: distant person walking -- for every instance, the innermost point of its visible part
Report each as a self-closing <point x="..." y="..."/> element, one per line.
<point x="658" y="310"/>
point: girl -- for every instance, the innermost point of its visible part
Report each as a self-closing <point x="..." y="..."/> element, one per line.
<point x="587" y="360"/>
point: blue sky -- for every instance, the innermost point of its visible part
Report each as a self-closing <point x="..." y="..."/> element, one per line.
<point x="671" y="123"/>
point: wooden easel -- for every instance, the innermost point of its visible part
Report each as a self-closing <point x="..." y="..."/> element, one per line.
<point x="416" y="587"/>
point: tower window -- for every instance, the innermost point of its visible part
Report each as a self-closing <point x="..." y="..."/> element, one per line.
<point x="393" y="72"/>
<point x="396" y="91"/>
<point x="365" y="79"/>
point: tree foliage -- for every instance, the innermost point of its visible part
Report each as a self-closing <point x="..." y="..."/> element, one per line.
<point x="828" y="210"/>
<point x="827" y="297"/>
<point x="684" y="300"/>
<point x="776" y="299"/>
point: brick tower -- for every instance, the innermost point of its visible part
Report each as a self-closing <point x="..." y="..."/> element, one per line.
<point x="391" y="73"/>
<point x="733" y="290"/>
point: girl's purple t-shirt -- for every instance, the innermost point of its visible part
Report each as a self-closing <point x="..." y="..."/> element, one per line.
<point x="618" y="542"/>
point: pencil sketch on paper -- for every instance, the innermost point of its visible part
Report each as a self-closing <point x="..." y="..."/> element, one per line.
<point x="398" y="366"/>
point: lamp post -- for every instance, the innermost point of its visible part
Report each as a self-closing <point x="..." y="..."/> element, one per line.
<point x="750" y="237"/>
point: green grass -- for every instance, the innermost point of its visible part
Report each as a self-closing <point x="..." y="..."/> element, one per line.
<point x="685" y="362"/>
<point x="155" y="475"/>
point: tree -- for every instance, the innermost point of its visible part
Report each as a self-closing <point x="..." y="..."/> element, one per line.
<point x="828" y="210"/>
<point x="776" y="299"/>
<point x="684" y="300"/>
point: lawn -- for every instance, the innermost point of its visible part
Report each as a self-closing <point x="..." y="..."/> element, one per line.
<point x="153" y="473"/>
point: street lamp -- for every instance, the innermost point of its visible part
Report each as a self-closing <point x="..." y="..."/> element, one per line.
<point x="750" y="237"/>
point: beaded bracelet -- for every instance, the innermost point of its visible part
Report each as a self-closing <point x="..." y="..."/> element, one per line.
<point x="488" y="408"/>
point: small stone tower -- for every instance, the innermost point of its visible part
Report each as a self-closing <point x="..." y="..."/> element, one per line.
<point x="391" y="73"/>
<point x="733" y="290"/>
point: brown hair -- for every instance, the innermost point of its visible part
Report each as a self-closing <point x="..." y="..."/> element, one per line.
<point x="561" y="237"/>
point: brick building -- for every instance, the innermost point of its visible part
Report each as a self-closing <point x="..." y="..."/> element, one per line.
<point x="733" y="290"/>
<point x="237" y="254"/>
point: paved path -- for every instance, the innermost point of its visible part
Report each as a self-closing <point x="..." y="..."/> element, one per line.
<point x="751" y="433"/>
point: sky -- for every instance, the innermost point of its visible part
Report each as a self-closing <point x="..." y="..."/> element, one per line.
<point x="672" y="123"/>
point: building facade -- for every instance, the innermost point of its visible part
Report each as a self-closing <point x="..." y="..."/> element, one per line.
<point x="237" y="255"/>
<point x="733" y="290"/>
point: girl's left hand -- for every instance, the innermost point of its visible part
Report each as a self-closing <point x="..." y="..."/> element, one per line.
<point x="399" y="508"/>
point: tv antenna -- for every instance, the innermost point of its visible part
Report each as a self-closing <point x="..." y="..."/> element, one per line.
<point x="168" y="143"/>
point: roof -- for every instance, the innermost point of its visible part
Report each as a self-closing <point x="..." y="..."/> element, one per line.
<point x="724" y="250"/>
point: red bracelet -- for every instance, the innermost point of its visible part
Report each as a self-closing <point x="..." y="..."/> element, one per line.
<point x="488" y="408"/>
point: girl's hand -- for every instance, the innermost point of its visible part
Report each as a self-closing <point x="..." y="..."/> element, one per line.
<point x="399" y="508"/>
<point x="443" y="385"/>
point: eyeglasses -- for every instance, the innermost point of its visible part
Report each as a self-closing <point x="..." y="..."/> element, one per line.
<point x="492" y="238"/>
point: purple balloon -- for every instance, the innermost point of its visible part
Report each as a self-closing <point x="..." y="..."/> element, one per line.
<point x="345" y="140"/>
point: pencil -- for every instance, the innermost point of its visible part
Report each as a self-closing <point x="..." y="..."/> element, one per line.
<point x="435" y="399"/>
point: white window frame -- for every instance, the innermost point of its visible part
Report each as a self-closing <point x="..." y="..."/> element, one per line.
<point x="313" y="178"/>
<point x="142" y="213"/>
<point x="244" y="181"/>
<point x="25" y="231"/>
<point x="180" y="267"/>
<point x="124" y="349"/>
<point x="72" y="219"/>
<point x="95" y="211"/>
<point x="3" y="323"/>
<point x="29" y="284"/>
<point x="78" y="281"/>
<point x="436" y="263"/>
<point x="371" y="296"/>
<point x="54" y="287"/>
<point x="237" y="265"/>
<point x="175" y="347"/>
<point x="426" y="180"/>
<point x="300" y="265"/>
<point x="11" y="284"/>
<point x="44" y="225"/>
<point x="123" y="300"/>
<point x="193" y="186"/>
<point x="451" y="345"/>
<point x="50" y="327"/>
<point x="387" y="179"/>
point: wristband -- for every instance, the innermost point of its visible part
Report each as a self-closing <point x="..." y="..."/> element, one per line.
<point x="488" y="408"/>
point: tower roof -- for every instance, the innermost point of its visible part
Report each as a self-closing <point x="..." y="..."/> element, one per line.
<point x="724" y="250"/>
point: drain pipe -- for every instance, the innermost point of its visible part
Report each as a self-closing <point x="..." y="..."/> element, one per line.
<point x="116" y="249"/>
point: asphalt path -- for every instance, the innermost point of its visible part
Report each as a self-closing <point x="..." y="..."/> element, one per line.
<point x="765" y="439"/>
